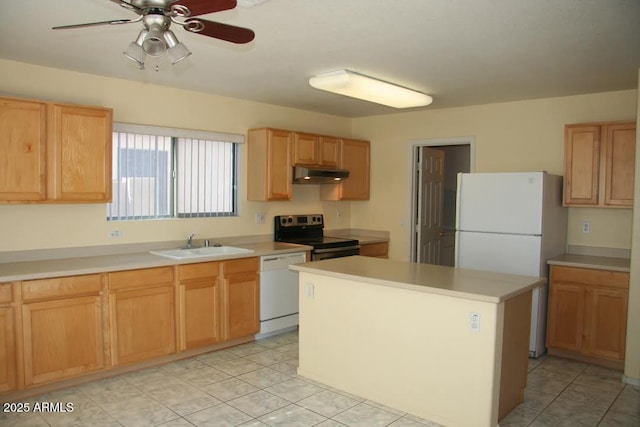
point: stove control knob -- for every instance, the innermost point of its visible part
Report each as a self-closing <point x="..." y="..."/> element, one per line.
<point x="290" y="220"/>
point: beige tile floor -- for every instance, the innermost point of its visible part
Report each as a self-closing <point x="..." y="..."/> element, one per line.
<point x="256" y="385"/>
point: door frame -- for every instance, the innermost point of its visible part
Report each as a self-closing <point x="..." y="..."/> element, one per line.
<point x="414" y="146"/>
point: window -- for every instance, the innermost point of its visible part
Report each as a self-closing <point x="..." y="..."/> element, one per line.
<point x="172" y="173"/>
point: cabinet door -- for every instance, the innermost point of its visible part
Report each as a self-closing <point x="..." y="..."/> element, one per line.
<point x="279" y="170"/>
<point x="7" y="350"/>
<point x="199" y="305"/>
<point x="142" y="324"/>
<point x="356" y="159"/>
<point x="620" y="143"/>
<point x="329" y="151"/>
<point x="606" y="322"/>
<point x="62" y="339"/>
<point x="243" y="305"/>
<point x="80" y="159"/>
<point x="23" y="134"/>
<point x="305" y="149"/>
<point x="582" y="165"/>
<point x="566" y="316"/>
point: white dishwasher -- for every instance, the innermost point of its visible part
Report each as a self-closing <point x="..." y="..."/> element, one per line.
<point x="278" y="293"/>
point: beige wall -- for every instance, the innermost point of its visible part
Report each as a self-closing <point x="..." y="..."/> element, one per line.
<point x="515" y="136"/>
<point x="24" y="227"/>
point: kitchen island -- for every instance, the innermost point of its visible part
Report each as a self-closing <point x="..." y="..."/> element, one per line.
<point x="445" y="344"/>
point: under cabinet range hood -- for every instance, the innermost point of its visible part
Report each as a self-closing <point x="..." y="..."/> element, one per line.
<point x="312" y="175"/>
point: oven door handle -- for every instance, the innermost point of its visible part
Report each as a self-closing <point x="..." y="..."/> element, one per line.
<point x="340" y="249"/>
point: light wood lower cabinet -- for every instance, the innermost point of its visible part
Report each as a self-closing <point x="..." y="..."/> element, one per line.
<point x="199" y="305"/>
<point x="377" y="250"/>
<point x="588" y="313"/>
<point x="62" y="328"/>
<point x="8" y="378"/>
<point x="142" y="314"/>
<point x="241" y="290"/>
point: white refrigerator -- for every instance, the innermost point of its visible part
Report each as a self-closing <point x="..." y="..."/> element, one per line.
<point x="512" y="223"/>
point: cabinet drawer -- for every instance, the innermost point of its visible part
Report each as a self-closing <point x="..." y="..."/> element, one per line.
<point x="198" y="271"/>
<point x="140" y="278"/>
<point x="6" y="295"/>
<point x="588" y="276"/>
<point x="61" y="287"/>
<point x="242" y="265"/>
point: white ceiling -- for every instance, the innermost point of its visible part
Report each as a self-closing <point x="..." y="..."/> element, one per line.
<point x="462" y="52"/>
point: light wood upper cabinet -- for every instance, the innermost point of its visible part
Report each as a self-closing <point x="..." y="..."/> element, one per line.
<point x="23" y="139"/>
<point x="599" y="164"/>
<point x="269" y="173"/>
<point x="63" y="329"/>
<point x="80" y="158"/>
<point x="356" y="159"/>
<point x="588" y="313"/>
<point x="199" y="305"/>
<point x="54" y="153"/>
<point x="142" y="314"/>
<point x="620" y="143"/>
<point x="8" y="367"/>
<point x="305" y="149"/>
<point x="316" y="150"/>
<point x="241" y="290"/>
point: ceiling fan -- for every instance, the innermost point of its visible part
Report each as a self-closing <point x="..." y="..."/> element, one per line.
<point x="156" y="39"/>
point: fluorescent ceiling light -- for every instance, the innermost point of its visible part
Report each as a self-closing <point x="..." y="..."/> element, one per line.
<point x="355" y="85"/>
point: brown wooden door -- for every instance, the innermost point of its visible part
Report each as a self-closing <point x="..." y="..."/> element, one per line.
<point x="243" y="305"/>
<point x="80" y="153"/>
<point x="23" y="133"/>
<point x="606" y="322"/>
<point x="279" y="165"/>
<point x="566" y="316"/>
<point x="620" y="143"/>
<point x="582" y="165"/>
<point x="62" y="338"/>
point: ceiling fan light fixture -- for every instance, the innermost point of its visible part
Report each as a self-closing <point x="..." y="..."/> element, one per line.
<point x="177" y="51"/>
<point x="135" y="52"/>
<point x="154" y="44"/>
<point x="356" y="85"/>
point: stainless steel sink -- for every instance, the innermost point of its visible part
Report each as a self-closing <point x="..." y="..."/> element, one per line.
<point x="206" y="252"/>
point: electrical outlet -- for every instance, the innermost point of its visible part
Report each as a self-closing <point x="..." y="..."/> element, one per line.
<point x="339" y="215"/>
<point x="474" y="322"/>
<point x="586" y="226"/>
<point x="310" y="290"/>
<point x="115" y="234"/>
<point x="259" y="217"/>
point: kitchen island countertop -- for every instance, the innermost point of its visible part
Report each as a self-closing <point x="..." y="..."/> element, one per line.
<point x="463" y="283"/>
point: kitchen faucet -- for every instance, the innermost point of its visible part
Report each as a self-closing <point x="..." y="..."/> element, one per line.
<point x="189" y="241"/>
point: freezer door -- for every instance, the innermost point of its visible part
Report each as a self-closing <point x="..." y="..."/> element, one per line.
<point x="502" y="253"/>
<point x="500" y="202"/>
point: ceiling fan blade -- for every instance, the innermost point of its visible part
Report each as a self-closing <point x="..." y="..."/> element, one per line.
<point x="220" y="31"/>
<point x="201" y="7"/>
<point x="94" y="24"/>
<point x="129" y="6"/>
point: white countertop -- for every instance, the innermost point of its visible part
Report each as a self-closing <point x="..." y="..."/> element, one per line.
<point x="29" y="270"/>
<point x="456" y="282"/>
<point x="590" y="261"/>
